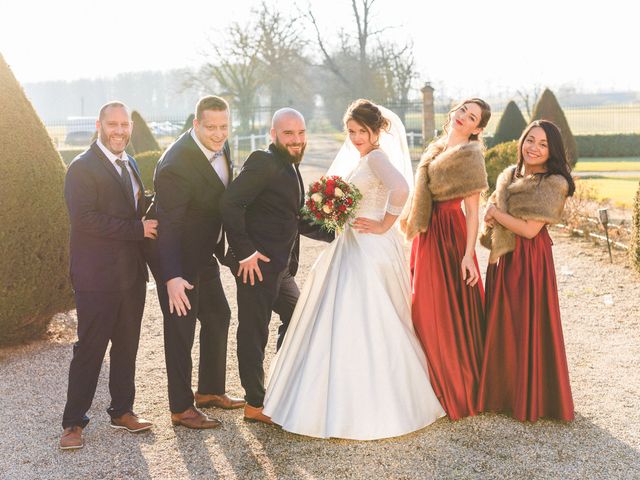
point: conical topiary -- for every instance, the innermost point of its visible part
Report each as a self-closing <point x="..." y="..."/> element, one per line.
<point x="34" y="232"/>
<point x="142" y="140"/>
<point x="497" y="159"/>
<point x="510" y="126"/>
<point x="634" y="248"/>
<point x="548" y="108"/>
<point x="188" y="123"/>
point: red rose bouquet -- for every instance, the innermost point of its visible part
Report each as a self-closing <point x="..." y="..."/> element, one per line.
<point x="331" y="203"/>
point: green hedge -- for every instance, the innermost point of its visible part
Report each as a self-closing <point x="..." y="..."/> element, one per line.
<point x="70" y="154"/>
<point x="548" y="108"/>
<point x="634" y="248"/>
<point x="147" y="163"/>
<point x="188" y="123"/>
<point x="498" y="158"/>
<point x="620" y="145"/>
<point x="34" y="236"/>
<point x="142" y="140"/>
<point x="510" y="126"/>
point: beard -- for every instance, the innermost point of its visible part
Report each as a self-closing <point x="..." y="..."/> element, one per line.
<point x="104" y="138"/>
<point x="282" y="150"/>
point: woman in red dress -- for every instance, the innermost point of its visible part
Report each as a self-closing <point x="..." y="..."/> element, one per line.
<point x="447" y="296"/>
<point x="524" y="372"/>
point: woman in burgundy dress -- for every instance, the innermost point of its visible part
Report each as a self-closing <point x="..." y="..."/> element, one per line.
<point x="524" y="372"/>
<point x="447" y="294"/>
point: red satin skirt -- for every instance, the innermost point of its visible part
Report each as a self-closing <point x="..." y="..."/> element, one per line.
<point x="448" y="314"/>
<point x="524" y="372"/>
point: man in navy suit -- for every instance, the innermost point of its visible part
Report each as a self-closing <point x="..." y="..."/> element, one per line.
<point x="106" y="203"/>
<point x="189" y="180"/>
<point x="261" y="213"/>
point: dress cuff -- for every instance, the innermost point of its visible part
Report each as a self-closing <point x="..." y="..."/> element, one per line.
<point x="249" y="257"/>
<point x="394" y="210"/>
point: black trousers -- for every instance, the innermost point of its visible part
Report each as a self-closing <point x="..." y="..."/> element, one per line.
<point x="104" y="317"/>
<point x="208" y="305"/>
<point x="278" y="293"/>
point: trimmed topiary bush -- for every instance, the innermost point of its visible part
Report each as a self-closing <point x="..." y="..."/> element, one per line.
<point x="142" y="140"/>
<point x="634" y="248"/>
<point x="69" y="154"/>
<point x="34" y="237"/>
<point x="548" y="108"/>
<point x="510" y="126"/>
<point x="188" y="123"/>
<point x="617" y="145"/>
<point x="147" y="162"/>
<point x="498" y="158"/>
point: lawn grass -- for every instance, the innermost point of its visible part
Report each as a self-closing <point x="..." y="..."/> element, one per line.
<point x="620" y="190"/>
<point x="583" y="121"/>
<point x="599" y="164"/>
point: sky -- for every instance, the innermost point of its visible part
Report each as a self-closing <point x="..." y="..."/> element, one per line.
<point x="461" y="46"/>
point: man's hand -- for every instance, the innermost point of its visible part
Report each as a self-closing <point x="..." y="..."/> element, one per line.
<point x="150" y="228"/>
<point x="251" y="269"/>
<point x="178" y="299"/>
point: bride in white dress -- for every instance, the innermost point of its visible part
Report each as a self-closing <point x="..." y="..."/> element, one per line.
<point x="351" y="365"/>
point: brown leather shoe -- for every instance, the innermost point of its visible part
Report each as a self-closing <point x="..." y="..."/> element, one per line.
<point x="194" y="418"/>
<point x="131" y="423"/>
<point x="72" y="438"/>
<point x="220" y="401"/>
<point x="254" y="414"/>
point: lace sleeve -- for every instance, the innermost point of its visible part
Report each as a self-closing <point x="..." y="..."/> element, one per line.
<point x="392" y="179"/>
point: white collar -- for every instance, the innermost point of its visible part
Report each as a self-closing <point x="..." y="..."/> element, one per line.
<point x="207" y="153"/>
<point x="110" y="155"/>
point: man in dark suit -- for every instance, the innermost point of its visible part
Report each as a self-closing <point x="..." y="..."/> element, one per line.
<point x="106" y="203"/>
<point x="190" y="179"/>
<point x="261" y="213"/>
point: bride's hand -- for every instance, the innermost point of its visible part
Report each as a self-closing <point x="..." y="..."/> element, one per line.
<point x="366" y="225"/>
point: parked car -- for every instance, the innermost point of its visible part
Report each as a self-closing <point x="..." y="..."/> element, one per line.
<point x="80" y="130"/>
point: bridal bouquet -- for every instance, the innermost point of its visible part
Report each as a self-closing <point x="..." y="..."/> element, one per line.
<point x="331" y="203"/>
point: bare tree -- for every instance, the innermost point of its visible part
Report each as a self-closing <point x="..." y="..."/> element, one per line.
<point x="235" y="70"/>
<point x="529" y="97"/>
<point x="397" y="67"/>
<point x="361" y="67"/>
<point x="281" y="54"/>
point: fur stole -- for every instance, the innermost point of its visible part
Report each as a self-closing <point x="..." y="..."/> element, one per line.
<point x="530" y="198"/>
<point x="443" y="175"/>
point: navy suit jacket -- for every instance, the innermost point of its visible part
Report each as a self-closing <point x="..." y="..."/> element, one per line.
<point x="261" y="211"/>
<point x="106" y="242"/>
<point x="187" y="206"/>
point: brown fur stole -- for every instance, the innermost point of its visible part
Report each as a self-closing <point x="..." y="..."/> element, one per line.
<point x="537" y="197"/>
<point x="443" y="175"/>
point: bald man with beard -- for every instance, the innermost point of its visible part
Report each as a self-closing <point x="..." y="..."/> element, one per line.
<point x="261" y="215"/>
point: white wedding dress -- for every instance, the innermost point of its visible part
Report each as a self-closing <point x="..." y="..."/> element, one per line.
<point x="351" y="365"/>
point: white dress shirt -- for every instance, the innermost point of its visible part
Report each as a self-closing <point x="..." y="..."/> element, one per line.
<point x="218" y="162"/>
<point x="123" y="156"/>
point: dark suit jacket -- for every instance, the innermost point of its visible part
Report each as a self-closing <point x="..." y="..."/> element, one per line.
<point x="187" y="206"/>
<point x="261" y="211"/>
<point x="106" y="229"/>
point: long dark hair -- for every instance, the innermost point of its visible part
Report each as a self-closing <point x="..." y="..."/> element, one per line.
<point x="557" y="163"/>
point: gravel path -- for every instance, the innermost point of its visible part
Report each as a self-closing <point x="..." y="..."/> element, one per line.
<point x="601" y="316"/>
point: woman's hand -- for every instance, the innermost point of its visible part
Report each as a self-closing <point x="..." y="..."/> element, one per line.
<point x="366" y="225"/>
<point x="488" y="213"/>
<point x="469" y="272"/>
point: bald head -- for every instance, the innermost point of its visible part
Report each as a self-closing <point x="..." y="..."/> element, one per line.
<point x="288" y="133"/>
<point x="285" y="114"/>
